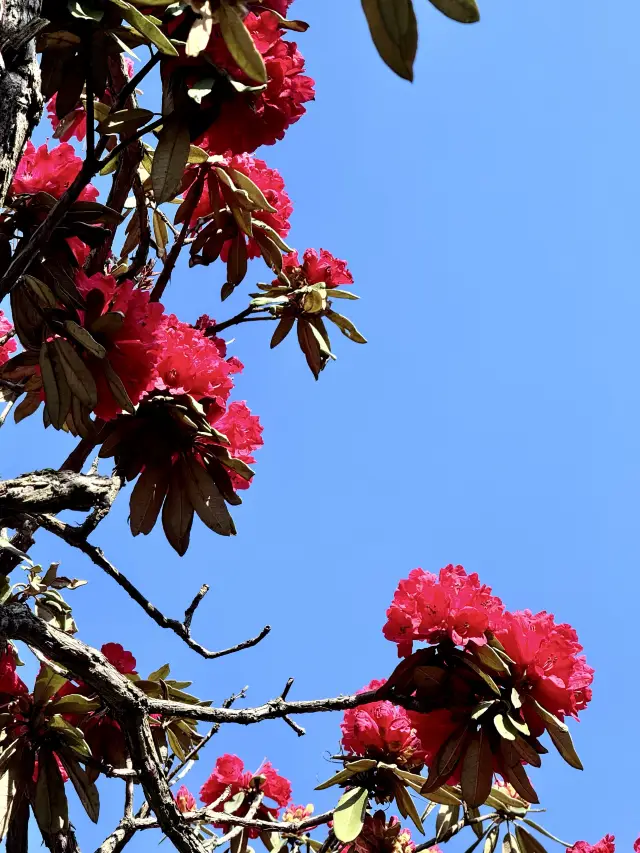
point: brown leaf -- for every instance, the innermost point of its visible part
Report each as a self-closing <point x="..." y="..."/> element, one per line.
<point x="394" y="31"/>
<point x="146" y="498"/>
<point x="206" y="499"/>
<point x="77" y="373"/>
<point x="462" y="11"/>
<point x="477" y="770"/>
<point x="516" y="775"/>
<point x="237" y="262"/>
<point x="85" y="789"/>
<point x="27" y="407"/>
<point x="170" y="159"/>
<point x="282" y="330"/>
<point x="50" y="800"/>
<point x="309" y="346"/>
<point x="177" y="512"/>
<point x="50" y="385"/>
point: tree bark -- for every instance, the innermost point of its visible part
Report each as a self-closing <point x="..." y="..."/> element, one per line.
<point x="20" y="95"/>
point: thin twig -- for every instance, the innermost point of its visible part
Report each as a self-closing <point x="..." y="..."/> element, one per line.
<point x="5" y="412"/>
<point x="131" y="86"/>
<point x="219" y="327"/>
<point x="172" y="257"/>
<point x="142" y="252"/>
<point x="72" y="536"/>
<point x="455" y="829"/>
<point x="121" y="146"/>
<point x="191" y="609"/>
<point x="128" y="794"/>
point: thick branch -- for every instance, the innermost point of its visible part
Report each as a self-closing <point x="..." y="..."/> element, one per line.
<point x="53" y="491"/>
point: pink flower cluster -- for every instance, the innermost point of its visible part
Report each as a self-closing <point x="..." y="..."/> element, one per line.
<point x="229" y="772"/>
<point x="383" y="731"/>
<point x="53" y="172"/>
<point x="269" y="181"/>
<point x="251" y="119"/>
<point x="9" y="346"/>
<point x="316" y="268"/>
<point x="605" y="845"/>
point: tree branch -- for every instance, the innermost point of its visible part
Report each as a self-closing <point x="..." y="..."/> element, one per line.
<point x="73" y="536"/>
<point x="53" y="491"/>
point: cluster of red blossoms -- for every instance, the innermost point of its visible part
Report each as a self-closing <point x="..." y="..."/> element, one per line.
<point x="7" y="343"/>
<point x="229" y="779"/>
<point x="454" y="608"/>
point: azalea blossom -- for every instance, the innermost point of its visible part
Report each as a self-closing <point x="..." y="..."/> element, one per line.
<point x="605" y="845"/>
<point x="317" y="267"/>
<point x="250" y="119"/>
<point x="244" y="432"/>
<point x="229" y="772"/>
<point x="53" y="172"/>
<point x="131" y="336"/>
<point x="383" y="731"/>
<point x="185" y="800"/>
<point x="269" y="181"/>
<point x="293" y="814"/>
<point x="549" y="665"/>
<point x="431" y="607"/>
<point x="10" y="345"/>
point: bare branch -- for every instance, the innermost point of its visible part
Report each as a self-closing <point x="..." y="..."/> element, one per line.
<point x="72" y="536"/>
<point x="191" y="609"/>
<point x="207" y="816"/>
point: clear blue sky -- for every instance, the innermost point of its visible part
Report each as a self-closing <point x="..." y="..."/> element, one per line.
<point x="489" y="214"/>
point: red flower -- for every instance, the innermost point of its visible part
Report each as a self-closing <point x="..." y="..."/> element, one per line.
<point x="10" y="346"/>
<point x="272" y="186"/>
<point x="75" y="121"/>
<point x="244" y="432"/>
<point x="429" y="607"/>
<point x="605" y="845"/>
<point x="185" y="800"/>
<point x="378" y="836"/>
<point x="229" y="772"/>
<point x="316" y="268"/>
<point x="132" y="345"/>
<point x="383" y="731"/>
<point x="636" y="846"/>
<point x="53" y="172"/>
<point x="80" y="250"/>
<point x="548" y="662"/>
<point x="119" y="657"/>
<point x="191" y="363"/>
<point x="10" y="682"/>
<point x="251" y="119"/>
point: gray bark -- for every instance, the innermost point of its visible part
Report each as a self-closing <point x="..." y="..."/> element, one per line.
<point x="20" y="96"/>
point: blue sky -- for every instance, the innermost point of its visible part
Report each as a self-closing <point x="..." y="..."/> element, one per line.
<point x="489" y="216"/>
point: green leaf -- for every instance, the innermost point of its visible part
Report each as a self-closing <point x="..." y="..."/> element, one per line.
<point x="394" y="31"/>
<point x="346" y="327"/>
<point x="146" y="27"/>
<point x="527" y="843"/>
<point x="74" y="703"/>
<point x="170" y="159"/>
<point x="47" y="683"/>
<point x="491" y="659"/>
<point x="160" y="674"/>
<point x="72" y="736"/>
<point x="85" y="788"/>
<point x="406" y="806"/>
<point x="348" y="817"/>
<point x="282" y="330"/>
<point x="240" y="43"/>
<point x="502" y="729"/>
<point x="491" y="840"/>
<point x="50" y="800"/>
<point x="340" y="776"/>
<point x="477" y="770"/>
<point x="447" y="817"/>
<point x="462" y="11"/>
<point x="559" y="734"/>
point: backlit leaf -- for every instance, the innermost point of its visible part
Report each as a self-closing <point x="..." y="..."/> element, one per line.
<point x="348" y="817"/>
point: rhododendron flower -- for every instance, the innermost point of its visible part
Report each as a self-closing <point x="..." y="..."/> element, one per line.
<point x="636" y="846"/>
<point x="383" y="731"/>
<point x="229" y="773"/>
<point x="549" y="665"/>
<point x="75" y="121"/>
<point x="10" y="345"/>
<point x="191" y="363"/>
<point x="120" y="658"/>
<point x="10" y="682"/>
<point x="378" y="836"/>
<point x="244" y="432"/>
<point x="53" y="172"/>
<point x="316" y="268"/>
<point x="250" y="119"/>
<point x="80" y="250"/>
<point x="185" y="800"/>
<point x="269" y="181"/>
<point x="605" y="845"/>
<point x="431" y="607"/>
<point x="296" y="813"/>
<point x="132" y="337"/>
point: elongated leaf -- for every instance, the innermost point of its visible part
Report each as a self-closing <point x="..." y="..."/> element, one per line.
<point x="200" y="31"/>
<point x="85" y="338"/>
<point x="282" y="330"/>
<point x="160" y="674"/>
<point x="146" y="27"/>
<point x="50" y="800"/>
<point x="177" y="512"/>
<point x="240" y="43"/>
<point x="170" y="159"/>
<point x="394" y="31"/>
<point x="477" y="770"/>
<point x="336" y="779"/>
<point x="7" y="795"/>
<point x="348" y="817"/>
<point x="206" y="499"/>
<point x="84" y="787"/>
<point x="545" y="832"/>
<point x="117" y="388"/>
<point x="491" y="840"/>
<point x="527" y="843"/>
<point x="462" y="11"/>
<point x="406" y="806"/>
<point x="71" y="736"/>
<point x="74" y="703"/>
<point x="516" y="775"/>
<point x="491" y="659"/>
<point x="447" y="817"/>
<point x="47" y="683"/>
<point x="77" y="373"/>
<point x="254" y="192"/>
<point x="346" y="327"/>
<point x="559" y="734"/>
<point x="51" y="392"/>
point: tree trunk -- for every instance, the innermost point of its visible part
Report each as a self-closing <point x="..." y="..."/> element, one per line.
<point x="20" y="98"/>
